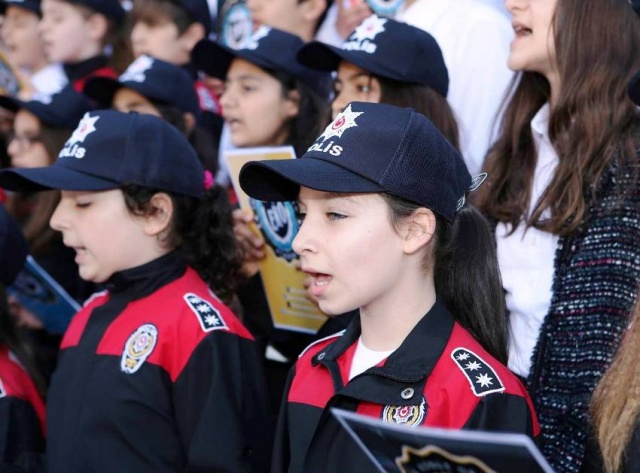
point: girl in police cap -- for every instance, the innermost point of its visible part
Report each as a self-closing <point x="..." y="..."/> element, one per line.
<point x="155" y="374"/>
<point x="385" y="229"/>
<point x="564" y="195"/>
<point x="386" y="61"/>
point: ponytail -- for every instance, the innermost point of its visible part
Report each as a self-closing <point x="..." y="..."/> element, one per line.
<point x="202" y="230"/>
<point x="467" y="277"/>
<point x="466" y="273"/>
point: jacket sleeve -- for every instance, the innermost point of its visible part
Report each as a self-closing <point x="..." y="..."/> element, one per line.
<point x="281" y="455"/>
<point x="221" y="407"/>
<point x="503" y="413"/>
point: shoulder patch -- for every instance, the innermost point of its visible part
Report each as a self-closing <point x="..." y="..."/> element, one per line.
<point x="482" y="378"/>
<point x="335" y="335"/>
<point x="208" y="316"/>
<point x="138" y="347"/>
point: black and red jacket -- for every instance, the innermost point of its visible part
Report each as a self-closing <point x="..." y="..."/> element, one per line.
<point x="157" y="375"/>
<point x="80" y="72"/>
<point x="22" y="411"/>
<point x="439" y="377"/>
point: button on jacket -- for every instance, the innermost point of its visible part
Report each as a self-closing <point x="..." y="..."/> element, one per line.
<point x="157" y="375"/>
<point x="439" y="377"/>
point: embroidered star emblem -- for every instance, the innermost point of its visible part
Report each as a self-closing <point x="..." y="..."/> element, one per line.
<point x="472" y="365"/>
<point x="85" y="127"/>
<point x="462" y="356"/>
<point x="369" y="28"/>
<point x="211" y="320"/>
<point x="136" y="71"/>
<point x="484" y="380"/>
<point x="203" y="308"/>
<point x="345" y="120"/>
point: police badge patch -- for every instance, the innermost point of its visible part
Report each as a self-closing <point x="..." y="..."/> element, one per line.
<point x="405" y="415"/>
<point x="482" y="378"/>
<point x="208" y="316"/>
<point x="138" y="348"/>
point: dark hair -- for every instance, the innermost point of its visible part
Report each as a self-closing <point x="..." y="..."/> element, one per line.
<point x="201" y="139"/>
<point x="313" y="112"/>
<point x="11" y="338"/>
<point x="466" y="273"/>
<point x="149" y="11"/>
<point x="424" y="100"/>
<point x="34" y="211"/>
<point x="202" y="230"/>
<point x="591" y="122"/>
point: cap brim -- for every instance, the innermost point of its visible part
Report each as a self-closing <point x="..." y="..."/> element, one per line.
<point x="212" y="58"/>
<point x="102" y="90"/>
<point x="52" y="177"/>
<point x="10" y="103"/>
<point x="320" y="56"/>
<point x="634" y="88"/>
<point x="280" y="180"/>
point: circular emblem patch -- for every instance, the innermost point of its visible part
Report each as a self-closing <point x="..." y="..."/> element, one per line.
<point x="236" y="25"/>
<point x="405" y="415"/>
<point x="278" y="224"/>
<point x="138" y="348"/>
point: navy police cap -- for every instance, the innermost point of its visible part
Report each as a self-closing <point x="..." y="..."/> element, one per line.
<point x="268" y="48"/>
<point x="64" y="109"/>
<point x="110" y="8"/>
<point x="370" y="147"/>
<point x="110" y="149"/>
<point x="157" y="80"/>
<point x="386" y="48"/>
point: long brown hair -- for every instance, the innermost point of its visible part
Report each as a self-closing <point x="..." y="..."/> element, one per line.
<point x="591" y="120"/>
<point x="615" y="405"/>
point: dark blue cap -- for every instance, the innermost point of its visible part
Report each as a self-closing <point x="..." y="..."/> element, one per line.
<point x="64" y="109"/>
<point x="155" y="79"/>
<point x="370" y="147"/>
<point x="110" y="149"/>
<point x="110" y="8"/>
<point x="636" y="5"/>
<point x="13" y="248"/>
<point x="31" y="5"/>
<point x="198" y="10"/>
<point x="268" y="48"/>
<point x="386" y="48"/>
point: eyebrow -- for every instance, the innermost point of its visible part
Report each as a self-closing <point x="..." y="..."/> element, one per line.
<point x="334" y="195"/>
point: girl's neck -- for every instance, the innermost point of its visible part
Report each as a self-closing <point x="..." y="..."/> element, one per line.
<point x="386" y="322"/>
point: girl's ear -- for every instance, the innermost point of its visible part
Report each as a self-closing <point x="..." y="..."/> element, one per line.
<point x="158" y="219"/>
<point x="292" y="105"/>
<point x="98" y="27"/>
<point x="418" y="230"/>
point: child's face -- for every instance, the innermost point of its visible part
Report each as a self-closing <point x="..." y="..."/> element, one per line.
<point x="354" y="84"/>
<point x="128" y="100"/>
<point x="348" y="246"/>
<point x="160" y="39"/>
<point x="22" y="40"/>
<point x="533" y="47"/>
<point x="254" y="108"/>
<point x="25" y="148"/>
<point x="105" y="236"/>
<point x="68" y="36"/>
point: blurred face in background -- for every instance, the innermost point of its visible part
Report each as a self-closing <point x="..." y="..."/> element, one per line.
<point x="353" y="83"/>
<point x="21" y="38"/>
<point x="25" y="146"/>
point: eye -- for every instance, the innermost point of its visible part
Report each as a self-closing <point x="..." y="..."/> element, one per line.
<point x="83" y="205"/>
<point x="300" y="216"/>
<point x="364" y="89"/>
<point x="335" y="216"/>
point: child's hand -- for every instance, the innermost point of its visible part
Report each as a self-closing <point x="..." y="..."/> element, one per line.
<point x="23" y="317"/>
<point x="252" y="245"/>
<point x="350" y="15"/>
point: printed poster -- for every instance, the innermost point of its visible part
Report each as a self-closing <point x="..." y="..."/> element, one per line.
<point x="277" y="223"/>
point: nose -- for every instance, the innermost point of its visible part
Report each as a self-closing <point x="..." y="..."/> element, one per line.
<point x="513" y="5"/>
<point x="137" y="34"/>
<point x="227" y="98"/>
<point x="303" y="242"/>
<point x="13" y="149"/>
<point x="58" y="218"/>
